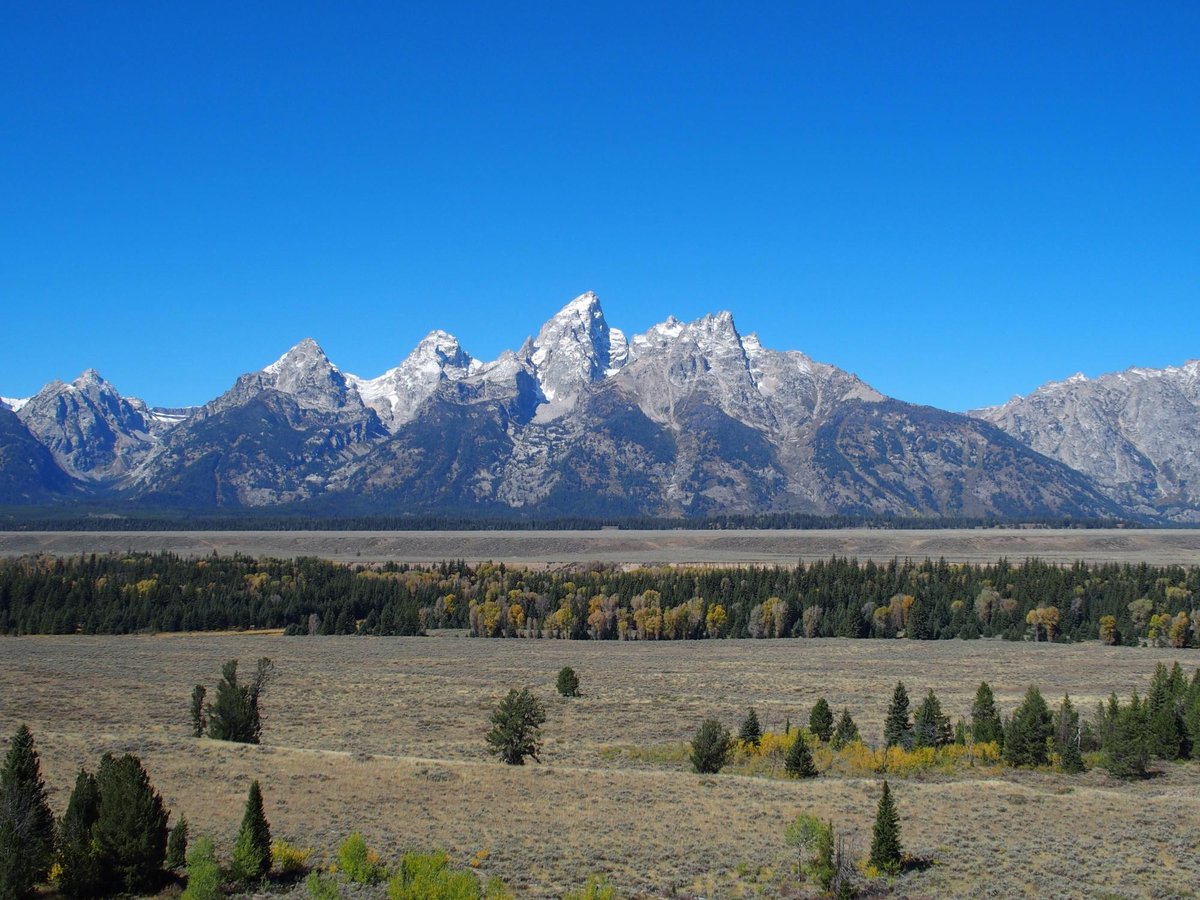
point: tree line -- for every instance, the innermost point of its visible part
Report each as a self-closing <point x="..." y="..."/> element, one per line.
<point x="1029" y="600"/>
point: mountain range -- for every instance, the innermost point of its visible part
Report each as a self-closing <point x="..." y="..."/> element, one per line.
<point x="685" y="419"/>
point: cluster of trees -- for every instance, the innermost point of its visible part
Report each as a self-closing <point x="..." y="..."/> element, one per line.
<point x="112" y="838"/>
<point x="1032" y="600"/>
<point x="234" y="714"/>
<point x="826" y="857"/>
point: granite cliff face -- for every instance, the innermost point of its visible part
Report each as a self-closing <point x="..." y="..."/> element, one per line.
<point x="685" y="419"/>
<point x="1135" y="433"/>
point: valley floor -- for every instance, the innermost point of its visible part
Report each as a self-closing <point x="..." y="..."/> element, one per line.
<point x="621" y="547"/>
<point x="385" y="735"/>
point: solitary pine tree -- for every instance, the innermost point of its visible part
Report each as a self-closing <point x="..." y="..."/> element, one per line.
<point x="846" y="731"/>
<point x="1028" y="731"/>
<point x="897" y="729"/>
<point x="986" y="727"/>
<point x="711" y="747"/>
<point x="79" y="872"/>
<point x="516" y="727"/>
<point x="799" y="762"/>
<point x="26" y="823"/>
<point x="886" y="852"/>
<point x="751" y="731"/>
<point x="568" y="682"/>
<point x="820" y="720"/>
<point x="131" y="828"/>
<point x="931" y="727"/>
<point x="252" y="852"/>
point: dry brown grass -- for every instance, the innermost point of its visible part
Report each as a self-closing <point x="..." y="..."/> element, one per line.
<point x="562" y="548"/>
<point x="384" y="735"/>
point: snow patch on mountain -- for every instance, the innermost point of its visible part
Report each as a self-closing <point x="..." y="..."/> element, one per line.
<point x="398" y="393"/>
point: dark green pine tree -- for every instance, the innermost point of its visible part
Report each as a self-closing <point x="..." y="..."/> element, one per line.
<point x="1128" y="748"/>
<point x="79" y="868"/>
<point x="177" y="842"/>
<point x="1026" y="734"/>
<point x="199" y="723"/>
<point x="846" y="731"/>
<point x="931" y="727"/>
<point x="886" y="852"/>
<point x="960" y="732"/>
<point x="1067" y="738"/>
<point x="799" y="762"/>
<point x="516" y="727"/>
<point x="1165" y="729"/>
<point x="897" y="729"/>
<point x="751" y="731"/>
<point x="820" y="720"/>
<point x="131" y="828"/>
<point x="711" y="747"/>
<point x="919" y="626"/>
<point x="986" y="727"/>
<point x="26" y="823"/>
<point x="252" y="852"/>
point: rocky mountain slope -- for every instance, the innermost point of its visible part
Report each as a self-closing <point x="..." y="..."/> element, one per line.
<point x="684" y="419"/>
<point x="1135" y="433"/>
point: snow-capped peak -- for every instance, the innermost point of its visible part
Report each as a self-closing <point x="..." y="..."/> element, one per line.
<point x="574" y="349"/>
<point x="304" y="355"/>
<point x="14" y="403"/>
<point x="397" y="393"/>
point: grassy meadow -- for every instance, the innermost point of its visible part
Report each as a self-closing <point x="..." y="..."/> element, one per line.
<point x="385" y="735"/>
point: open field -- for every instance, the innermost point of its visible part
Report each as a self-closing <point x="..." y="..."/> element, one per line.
<point x="553" y="548"/>
<point x="385" y="735"/>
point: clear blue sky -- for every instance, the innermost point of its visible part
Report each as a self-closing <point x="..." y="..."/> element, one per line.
<point x="956" y="201"/>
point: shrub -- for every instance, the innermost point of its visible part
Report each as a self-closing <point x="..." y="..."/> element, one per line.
<point x="596" y="888"/>
<point x="711" y="747"/>
<point x="568" y="682"/>
<point x="322" y="887"/>
<point x="203" y="873"/>
<point x="427" y="876"/>
<point x="516" y="727"/>
<point x="288" y="860"/>
<point x="357" y="862"/>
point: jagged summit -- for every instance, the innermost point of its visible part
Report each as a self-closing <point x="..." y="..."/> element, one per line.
<point x="398" y="393"/>
<point x="573" y="350"/>
<point x="1134" y="432"/>
<point x="685" y="418"/>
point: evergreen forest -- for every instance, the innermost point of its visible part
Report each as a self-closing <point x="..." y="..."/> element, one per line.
<point x="1030" y="600"/>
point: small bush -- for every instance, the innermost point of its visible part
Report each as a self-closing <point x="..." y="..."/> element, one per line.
<point x="289" y="860"/>
<point x="357" y="862"/>
<point x="322" y="887"/>
<point x="711" y="747"/>
<point x="568" y="682"/>
<point x="596" y="888"/>
<point x="203" y="873"/>
<point x="428" y="876"/>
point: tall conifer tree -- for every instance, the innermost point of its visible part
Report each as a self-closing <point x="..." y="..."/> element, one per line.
<point x="26" y="823"/>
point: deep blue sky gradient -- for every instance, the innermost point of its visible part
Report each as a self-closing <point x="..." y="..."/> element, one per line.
<point x="956" y="201"/>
